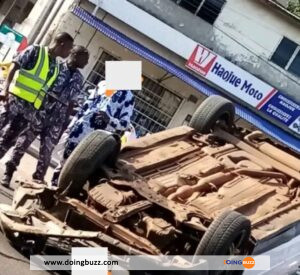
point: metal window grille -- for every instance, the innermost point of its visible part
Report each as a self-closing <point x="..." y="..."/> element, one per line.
<point x="98" y="72"/>
<point x="154" y="105"/>
<point x="208" y="10"/>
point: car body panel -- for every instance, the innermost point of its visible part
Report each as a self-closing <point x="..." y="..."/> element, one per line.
<point x="166" y="189"/>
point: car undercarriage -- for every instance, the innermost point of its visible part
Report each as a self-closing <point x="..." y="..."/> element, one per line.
<point x="167" y="194"/>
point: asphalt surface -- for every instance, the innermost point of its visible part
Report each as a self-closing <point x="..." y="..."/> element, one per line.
<point x="33" y="150"/>
<point x="12" y="262"/>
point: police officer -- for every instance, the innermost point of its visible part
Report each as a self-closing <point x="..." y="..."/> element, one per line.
<point x="32" y="73"/>
<point x="50" y="121"/>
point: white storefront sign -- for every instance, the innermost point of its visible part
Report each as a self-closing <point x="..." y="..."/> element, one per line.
<point x="231" y="78"/>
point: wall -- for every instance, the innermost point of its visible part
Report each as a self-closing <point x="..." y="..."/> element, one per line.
<point x="284" y="3"/>
<point x="96" y="43"/>
<point x="36" y="17"/>
<point x="233" y="29"/>
<point x="14" y="12"/>
<point x="6" y="7"/>
<point x="63" y="8"/>
<point x="259" y="28"/>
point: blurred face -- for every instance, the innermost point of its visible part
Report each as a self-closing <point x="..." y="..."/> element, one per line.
<point x="82" y="60"/>
<point x="64" y="49"/>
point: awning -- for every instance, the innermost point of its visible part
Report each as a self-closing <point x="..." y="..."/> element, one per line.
<point x="259" y="122"/>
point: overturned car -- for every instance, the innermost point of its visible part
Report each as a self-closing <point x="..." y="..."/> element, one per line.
<point x="207" y="189"/>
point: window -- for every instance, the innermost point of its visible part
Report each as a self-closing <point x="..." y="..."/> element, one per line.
<point x="154" y="105"/>
<point x="190" y="5"/>
<point x="205" y="9"/>
<point x="287" y="56"/>
<point x="98" y="73"/>
<point x="294" y="68"/>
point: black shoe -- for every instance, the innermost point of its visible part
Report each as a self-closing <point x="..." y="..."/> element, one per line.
<point x="6" y="181"/>
<point x="8" y="174"/>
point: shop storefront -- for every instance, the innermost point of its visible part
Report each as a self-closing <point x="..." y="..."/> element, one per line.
<point x="171" y="91"/>
<point x="155" y="105"/>
<point x="146" y="108"/>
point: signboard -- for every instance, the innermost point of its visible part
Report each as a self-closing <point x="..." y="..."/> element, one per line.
<point x="245" y="86"/>
<point x="11" y="40"/>
<point x="284" y="110"/>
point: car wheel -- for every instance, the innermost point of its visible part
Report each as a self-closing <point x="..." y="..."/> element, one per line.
<point x="96" y="149"/>
<point x="212" y="109"/>
<point x="227" y="235"/>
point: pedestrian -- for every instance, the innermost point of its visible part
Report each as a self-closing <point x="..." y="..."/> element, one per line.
<point x="4" y="69"/>
<point x="31" y="74"/>
<point x="50" y="120"/>
<point x="104" y="110"/>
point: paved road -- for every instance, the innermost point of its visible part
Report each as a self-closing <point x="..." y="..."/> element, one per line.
<point x="34" y="151"/>
<point x="11" y="261"/>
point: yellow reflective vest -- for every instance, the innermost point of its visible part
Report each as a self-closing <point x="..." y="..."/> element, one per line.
<point x="32" y="85"/>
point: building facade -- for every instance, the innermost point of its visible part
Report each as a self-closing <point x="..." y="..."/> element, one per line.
<point x="15" y="12"/>
<point x="257" y="37"/>
<point x="261" y="38"/>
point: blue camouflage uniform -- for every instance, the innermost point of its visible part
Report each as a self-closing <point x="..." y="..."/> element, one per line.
<point x="99" y="112"/>
<point x="50" y="121"/>
<point x="17" y="113"/>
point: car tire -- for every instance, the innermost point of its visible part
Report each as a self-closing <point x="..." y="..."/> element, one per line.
<point x="96" y="149"/>
<point x="227" y="229"/>
<point x="211" y="110"/>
